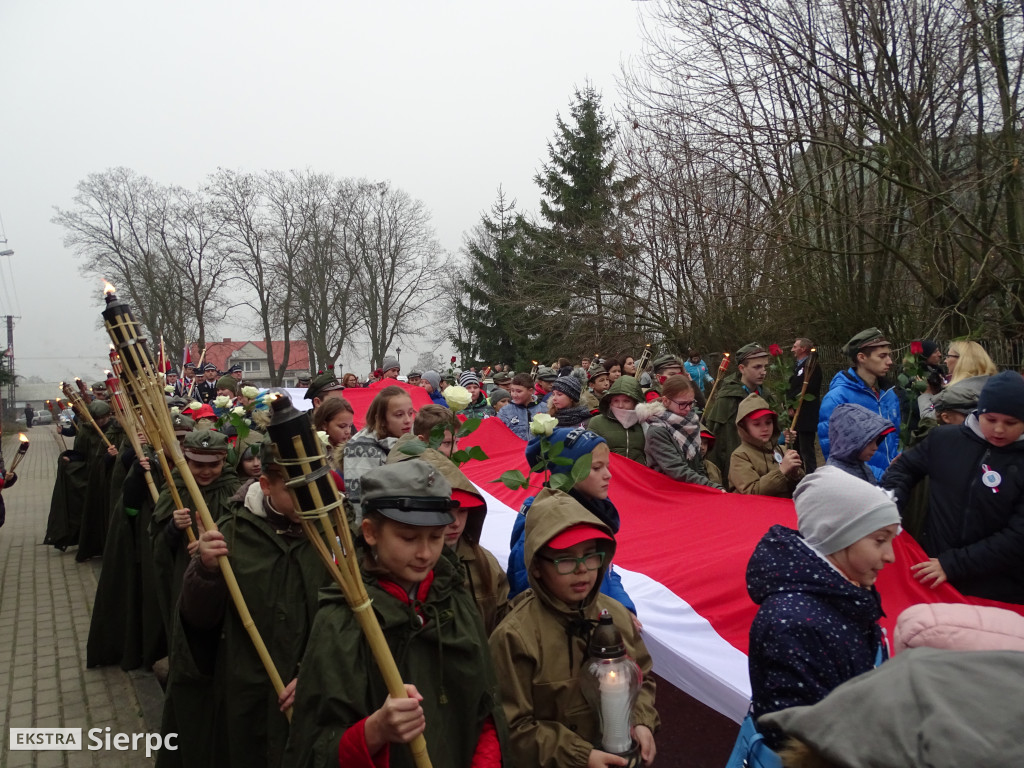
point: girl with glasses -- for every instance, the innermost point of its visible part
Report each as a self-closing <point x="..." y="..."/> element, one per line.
<point x="673" y="437"/>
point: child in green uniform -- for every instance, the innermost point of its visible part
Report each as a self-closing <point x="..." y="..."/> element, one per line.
<point x="343" y="714"/>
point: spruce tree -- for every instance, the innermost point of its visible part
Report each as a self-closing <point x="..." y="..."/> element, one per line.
<point x="579" y="250"/>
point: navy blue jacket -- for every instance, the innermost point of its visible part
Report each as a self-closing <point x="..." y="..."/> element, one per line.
<point x="814" y="630"/>
<point x="976" y="531"/>
<point x="848" y="387"/>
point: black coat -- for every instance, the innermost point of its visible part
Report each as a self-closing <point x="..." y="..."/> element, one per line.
<point x="808" y="421"/>
<point x="975" y="530"/>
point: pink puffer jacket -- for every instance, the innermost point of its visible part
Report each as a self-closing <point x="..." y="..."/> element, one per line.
<point x="959" y="627"/>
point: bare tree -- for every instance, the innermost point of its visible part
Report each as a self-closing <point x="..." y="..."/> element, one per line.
<point x="397" y="263"/>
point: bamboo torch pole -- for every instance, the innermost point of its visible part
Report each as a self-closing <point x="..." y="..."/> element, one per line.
<point x="147" y="419"/>
<point x="812" y="361"/>
<point x="196" y="373"/>
<point x="138" y="368"/>
<point x="317" y="499"/>
<point x="80" y="408"/>
<point x="722" y="368"/>
<point x="126" y="415"/>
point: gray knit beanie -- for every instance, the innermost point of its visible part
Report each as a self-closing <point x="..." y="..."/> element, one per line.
<point x="433" y="378"/>
<point x="834" y="509"/>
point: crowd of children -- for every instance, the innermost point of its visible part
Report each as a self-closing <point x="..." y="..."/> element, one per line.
<point x="491" y="653"/>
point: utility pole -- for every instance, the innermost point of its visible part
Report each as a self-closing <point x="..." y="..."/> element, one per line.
<point x="7" y="364"/>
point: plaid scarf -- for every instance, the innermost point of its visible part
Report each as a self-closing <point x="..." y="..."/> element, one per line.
<point x="685" y="431"/>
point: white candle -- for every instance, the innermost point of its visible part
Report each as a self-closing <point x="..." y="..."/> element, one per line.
<point x="615" y="711"/>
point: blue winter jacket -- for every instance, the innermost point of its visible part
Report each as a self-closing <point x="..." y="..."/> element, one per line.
<point x="850" y="429"/>
<point x="518" y="578"/>
<point x="814" y="630"/>
<point x="438" y="397"/>
<point x="517" y="417"/>
<point x="699" y="373"/>
<point x="848" y="387"/>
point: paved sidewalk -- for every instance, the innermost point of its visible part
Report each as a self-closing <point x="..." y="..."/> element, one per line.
<point x="45" y="606"/>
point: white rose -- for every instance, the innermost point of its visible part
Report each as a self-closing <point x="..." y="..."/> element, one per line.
<point x="222" y="401"/>
<point x="195" y="405"/>
<point x="238" y="410"/>
<point x="457" y="397"/>
<point x="543" y="424"/>
<point x="250" y="393"/>
<point x="323" y="437"/>
<point x="169" y="389"/>
<point x="175" y="410"/>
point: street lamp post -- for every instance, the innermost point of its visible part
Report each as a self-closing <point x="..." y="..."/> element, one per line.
<point x="7" y="361"/>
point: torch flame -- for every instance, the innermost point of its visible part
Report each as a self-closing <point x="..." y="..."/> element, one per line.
<point x="108" y="374"/>
<point x="108" y="288"/>
<point x="534" y="362"/>
<point x="21" y="436"/>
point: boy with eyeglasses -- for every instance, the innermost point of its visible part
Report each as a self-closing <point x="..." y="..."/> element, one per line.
<point x="673" y="444"/>
<point x="541" y="645"/>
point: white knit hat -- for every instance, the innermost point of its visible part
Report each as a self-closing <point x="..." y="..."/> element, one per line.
<point x="834" y="509"/>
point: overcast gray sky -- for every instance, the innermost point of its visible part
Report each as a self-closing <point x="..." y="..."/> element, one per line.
<point x="446" y="99"/>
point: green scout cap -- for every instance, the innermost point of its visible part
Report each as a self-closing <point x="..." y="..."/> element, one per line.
<point x="546" y="373"/>
<point x="870" y="337"/>
<point x="750" y="352"/>
<point x="99" y="408"/>
<point x="665" y="361"/>
<point x="182" y="423"/>
<point x="324" y="382"/>
<point x="411" y="492"/>
<point x="962" y="396"/>
<point x="596" y="371"/>
<point x="501" y="377"/>
<point x="228" y="382"/>
<point x="205" y="446"/>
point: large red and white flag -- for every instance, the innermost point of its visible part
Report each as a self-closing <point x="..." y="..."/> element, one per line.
<point x="682" y="554"/>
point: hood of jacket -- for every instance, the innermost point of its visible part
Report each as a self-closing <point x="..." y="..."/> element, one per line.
<point x="851" y="427"/>
<point x="849" y="379"/>
<point x="973" y="427"/>
<point x="455" y="477"/>
<point x="749" y="405"/>
<point x="551" y="513"/>
<point x="367" y="435"/>
<point x="624" y="385"/>
<point x="782" y="563"/>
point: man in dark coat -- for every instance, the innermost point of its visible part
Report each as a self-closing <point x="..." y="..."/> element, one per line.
<point x="206" y="390"/>
<point x="807" y="425"/>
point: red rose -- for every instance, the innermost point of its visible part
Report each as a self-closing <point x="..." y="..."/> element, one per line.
<point x="774" y="350"/>
<point x="916" y="348"/>
<point x="453" y="359"/>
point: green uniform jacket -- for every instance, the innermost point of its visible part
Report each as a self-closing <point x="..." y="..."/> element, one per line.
<point x="538" y="660"/>
<point x="720" y="418"/>
<point x="170" y="548"/>
<point x="625" y="442"/>
<point x="92" y="537"/>
<point x="215" y="670"/>
<point x="446" y="659"/>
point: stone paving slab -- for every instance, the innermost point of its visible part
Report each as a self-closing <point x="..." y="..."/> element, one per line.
<point x="45" y="607"/>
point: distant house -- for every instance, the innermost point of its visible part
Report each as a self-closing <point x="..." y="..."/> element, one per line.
<point x="252" y="356"/>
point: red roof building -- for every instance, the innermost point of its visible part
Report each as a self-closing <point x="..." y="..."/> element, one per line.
<point x="252" y="356"/>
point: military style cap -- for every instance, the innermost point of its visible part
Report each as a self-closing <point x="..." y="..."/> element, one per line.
<point x="750" y="352"/>
<point x="99" y="386"/>
<point x="665" y="361"/>
<point x="502" y="377"/>
<point x="171" y="372"/>
<point x="595" y="371"/>
<point x="182" y="423"/>
<point x="415" y="374"/>
<point x="323" y="383"/>
<point x="205" y="446"/>
<point x="866" y="339"/>
<point x="209" y="367"/>
<point x="544" y="373"/>
<point x="189" y="365"/>
<point x="304" y="378"/>
<point x="236" y="368"/>
<point x="99" y="408"/>
<point x="411" y="492"/>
